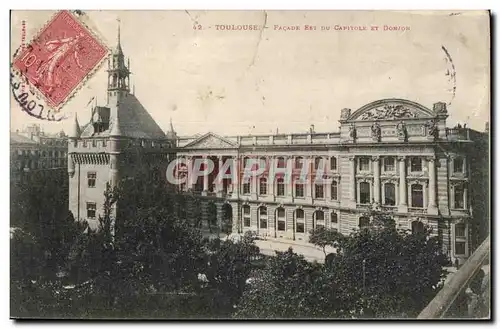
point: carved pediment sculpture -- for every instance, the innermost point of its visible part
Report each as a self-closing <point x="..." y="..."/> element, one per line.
<point x="388" y="112"/>
<point x="210" y="141"/>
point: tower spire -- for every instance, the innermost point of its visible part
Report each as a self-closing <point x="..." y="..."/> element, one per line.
<point x="118" y="45"/>
<point x="75" y="131"/>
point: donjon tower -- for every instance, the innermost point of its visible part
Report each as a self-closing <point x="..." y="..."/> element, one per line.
<point x="120" y="141"/>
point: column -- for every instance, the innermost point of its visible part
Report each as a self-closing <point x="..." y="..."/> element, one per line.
<point x="271" y="181"/>
<point x="403" y="207"/>
<point x="189" y="165"/>
<point x="289" y="179"/>
<point x="352" y="177"/>
<point x="376" y="179"/>
<point x="255" y="185"/>
<point x="235" y="176"/>
<point x="432" y="206"/>
<point x="219" y="182"/>
<point x="205" y="175"/>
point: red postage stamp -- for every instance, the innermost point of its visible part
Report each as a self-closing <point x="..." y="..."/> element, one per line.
<point x="60" y="57"/>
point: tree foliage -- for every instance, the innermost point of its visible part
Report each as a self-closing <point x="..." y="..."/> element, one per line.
<point x="377" y="272"/>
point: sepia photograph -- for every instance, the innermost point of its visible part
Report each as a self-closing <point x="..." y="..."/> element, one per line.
<point x="250" y="164"/>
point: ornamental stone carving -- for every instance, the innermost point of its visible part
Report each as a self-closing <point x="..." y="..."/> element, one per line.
<point x="402" y="131"/>
<point x="432" y="129"/>
<point x="344" y="114"/>
<point x="389" y="112"/>
<point x="352" y="132"/>
<point x="376" y="132"/>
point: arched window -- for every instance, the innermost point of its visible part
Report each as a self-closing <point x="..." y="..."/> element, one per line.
<point x="334" y="190"/>
<point x="417" y="196"/>
<point x="299" y="162"/>
<point x="364" y="193"/>
<point x="299" y="221"/>
<point x="364" y="222"/>
<point x="263" y="217"/>
<point x="389" y="194"/>
<point x="246" y="215"/>
<point x="319" y="219"/>
<point x="263" y="186"/>
<point x="334" y="218"/>
<point x="417" y="227"/>
<point x="280" y="190"/>
<point x="281" y="219"/>
<point x="333" y="163"/>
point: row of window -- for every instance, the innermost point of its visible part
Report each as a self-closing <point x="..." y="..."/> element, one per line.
<point x="319" y="189"/>
<point x="388" y="163"/>
<point x="59" y="154"/>
<point x="299" y="218"/>
<point x="365" y="193"/>
<point x="33" y="164"/>
<point x="416" y="164"/>
<point x="299" y="162"/>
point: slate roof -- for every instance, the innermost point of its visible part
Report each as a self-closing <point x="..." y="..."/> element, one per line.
<point x="133" y="119"/>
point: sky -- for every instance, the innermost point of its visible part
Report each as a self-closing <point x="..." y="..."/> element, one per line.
<point x="260" y="81"/>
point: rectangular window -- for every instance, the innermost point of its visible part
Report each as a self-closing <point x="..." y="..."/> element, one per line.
<point x="389" y="164"/>
<point x="460" y="248"/>
<point x="460" y="231"/>
<point x="333" y="163"/>
<point x="459" y="197"/>
<point x="364" y="164"/>
<point x="417" y="196"/>
<point x="300" y="227"/>
<point x="389" y="194"/>
<point x="280" y="191"/>
<point x="319" y="191"/>
<point x="91" y="177"/>
<point x="263" y="186"/>
<point x="334" y="190"/>
<point x="364" y="193"/>
<point x="299" y="190"/>
<point x="246" y="216"/>
<point x="416" y="164"/>
<point x="246" y="188"/>
<point x="458" y="165"/>
<point x="91" y="210"/>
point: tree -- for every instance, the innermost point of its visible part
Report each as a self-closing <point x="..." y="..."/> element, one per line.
<point x="228" y="266"/>
<point x="377" y="272"/>
<point x="390" y="273"/>
<point x="323" y="237"/>
<point x="288" y="287"/>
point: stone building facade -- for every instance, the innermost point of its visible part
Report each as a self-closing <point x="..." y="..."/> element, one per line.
<point x="33" y="151"/>
<point x="391" y="155"/>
